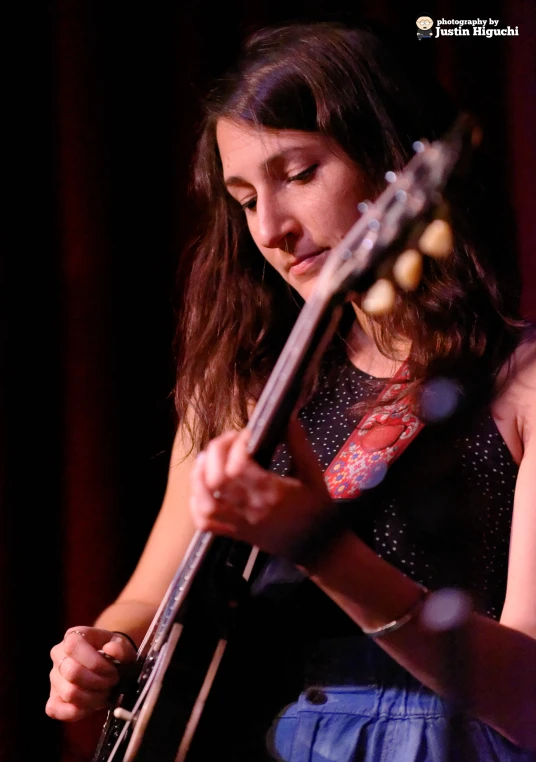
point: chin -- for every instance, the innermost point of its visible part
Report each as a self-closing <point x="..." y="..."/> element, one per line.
<point x="304" y="289"/>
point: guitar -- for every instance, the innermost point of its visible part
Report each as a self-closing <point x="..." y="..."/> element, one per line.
<point x="156" y="714"/>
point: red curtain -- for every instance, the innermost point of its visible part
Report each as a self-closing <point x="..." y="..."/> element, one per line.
<point x="105" y="110"/>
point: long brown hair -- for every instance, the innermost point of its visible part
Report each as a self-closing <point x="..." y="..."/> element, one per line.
<point x="237" y="312"/>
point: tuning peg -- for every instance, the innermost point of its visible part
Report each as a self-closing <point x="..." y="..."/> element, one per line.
<point x="380" y="297"/>
<point x="418" y="146"/>
<point x="390" y="176"/>
<point x="123" y="714"/>
<point x="407" y="270"/>
<point x="436" y="241"/>
<point x="363" y="206"/>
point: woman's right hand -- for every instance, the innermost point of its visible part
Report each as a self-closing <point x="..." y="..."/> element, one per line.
<point x="81" y="678"/>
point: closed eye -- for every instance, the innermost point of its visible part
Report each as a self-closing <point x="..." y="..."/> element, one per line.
<point x="307" y="174"/>
<point x="249" y="205"/>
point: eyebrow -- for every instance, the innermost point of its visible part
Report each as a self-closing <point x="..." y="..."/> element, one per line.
<point x="236" y="180"/>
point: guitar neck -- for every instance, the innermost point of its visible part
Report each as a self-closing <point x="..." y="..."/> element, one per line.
<point x="292" y="374"/>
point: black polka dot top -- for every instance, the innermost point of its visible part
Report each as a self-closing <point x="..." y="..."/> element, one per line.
<point x="443" y="512"/>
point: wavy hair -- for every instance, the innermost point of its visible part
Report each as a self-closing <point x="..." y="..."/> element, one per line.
<point x="236" y="312"/>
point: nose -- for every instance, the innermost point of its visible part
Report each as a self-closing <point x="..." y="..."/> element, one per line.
<point x="276" y="223"/>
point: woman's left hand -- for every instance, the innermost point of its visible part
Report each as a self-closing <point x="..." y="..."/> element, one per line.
<point x="233" y="496"/>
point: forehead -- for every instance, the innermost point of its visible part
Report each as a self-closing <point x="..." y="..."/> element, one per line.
<point x="244" y="146"/>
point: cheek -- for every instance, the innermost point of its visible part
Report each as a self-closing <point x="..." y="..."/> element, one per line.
<point x="341" y="213"/>
<point x="352" y="188"/>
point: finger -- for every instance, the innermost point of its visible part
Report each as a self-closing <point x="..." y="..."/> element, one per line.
<point x="202" y="501"/>
<point x="96" y="636"/>
<point x="77" y="707"/>
<point x="203" y="505"/>
<point x="239" y="461"/>
<point x="58" y="709"/>
<point x="248" y="476"/>
<point x="210" y="496"/>
<point x="218" y="500"/>
<point x="304" y="457"/>
<point x="57" y="652"/>
<point x="209" y="514"/>
<point x="213" y="466"/>
<point x="120" y="648"/>
<point x="78" y="647"/>
<point x="68" y="673"/>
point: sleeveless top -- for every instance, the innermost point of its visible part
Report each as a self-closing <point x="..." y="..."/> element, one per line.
<point x="443" y="512"/>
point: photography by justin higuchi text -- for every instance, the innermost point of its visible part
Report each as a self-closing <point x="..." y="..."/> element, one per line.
<point x="428" y="28"/>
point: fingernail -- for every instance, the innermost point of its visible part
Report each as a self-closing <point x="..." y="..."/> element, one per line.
<point x="109" y="658"/>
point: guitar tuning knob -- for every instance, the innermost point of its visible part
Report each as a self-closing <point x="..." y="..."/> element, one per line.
<point x="407" y="270"/>
<point x="436" y="241"/>
<point x="418" y="146"/>
<point x="363" y="206"/>
<point x="122" y="714"/>
<point x="390" y="176"/>
<point x="380" y="298"/>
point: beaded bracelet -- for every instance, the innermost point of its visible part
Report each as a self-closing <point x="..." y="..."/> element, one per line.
<point x="127" y="637"/>
<point x="396" y="624"/>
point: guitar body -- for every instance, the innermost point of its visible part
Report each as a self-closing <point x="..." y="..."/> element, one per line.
<point x="155" y="717"/>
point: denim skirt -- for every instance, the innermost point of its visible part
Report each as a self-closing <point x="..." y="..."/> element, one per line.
<point x="359" y="705"/>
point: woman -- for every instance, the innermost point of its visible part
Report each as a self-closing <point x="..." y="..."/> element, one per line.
<point x="302" y="131"/>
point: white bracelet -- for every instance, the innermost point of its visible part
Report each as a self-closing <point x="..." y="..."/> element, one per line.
<point x="396" y="624"/>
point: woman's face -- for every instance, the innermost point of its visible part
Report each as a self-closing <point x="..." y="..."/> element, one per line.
<point x="299" y="192"/>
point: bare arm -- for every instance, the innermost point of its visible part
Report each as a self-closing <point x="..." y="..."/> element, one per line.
<point x="81" y="678"/>
<point x="133" y="611"/>
<point x="502" y="659"/>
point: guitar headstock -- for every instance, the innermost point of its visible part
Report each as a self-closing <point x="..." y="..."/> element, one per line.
<point x="384" y="249"/>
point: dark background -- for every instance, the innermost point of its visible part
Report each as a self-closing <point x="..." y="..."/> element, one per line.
<point x="100" y="105"/>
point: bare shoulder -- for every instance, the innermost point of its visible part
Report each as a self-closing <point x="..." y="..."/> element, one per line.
<point x="525" y="354"/>
<point x="519" y="386"/>
<point x="515" y="407"/>
<point x="519" y="400"/>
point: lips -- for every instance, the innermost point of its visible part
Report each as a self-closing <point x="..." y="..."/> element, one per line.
<point x="309" y="262"/>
